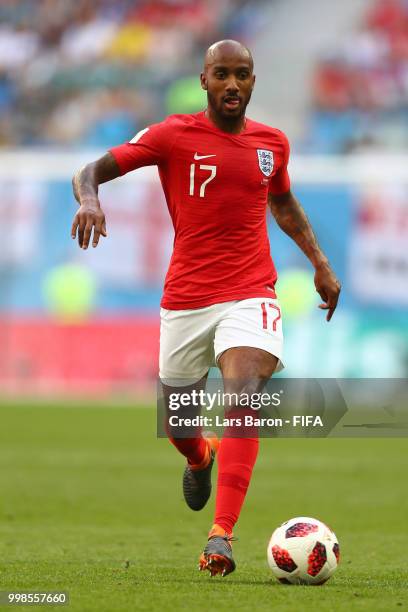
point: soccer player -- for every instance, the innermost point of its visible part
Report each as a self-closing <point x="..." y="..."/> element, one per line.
<point x="219" y="170"/>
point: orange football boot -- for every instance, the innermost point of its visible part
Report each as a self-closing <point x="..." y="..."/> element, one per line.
<point x="197" y="478"/>
<point x="217" y="555"/>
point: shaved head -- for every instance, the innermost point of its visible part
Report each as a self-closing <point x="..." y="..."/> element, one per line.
<point x="227" y="48"/>
<point x="228" y="78"/>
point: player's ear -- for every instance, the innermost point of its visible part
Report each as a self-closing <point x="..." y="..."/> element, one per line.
<point x="253" y="81"/>
<point x="203" y="80"/>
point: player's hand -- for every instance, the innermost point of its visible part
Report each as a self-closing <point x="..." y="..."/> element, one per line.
<point x="328" y="287"/>
<point x="90" y="217"/>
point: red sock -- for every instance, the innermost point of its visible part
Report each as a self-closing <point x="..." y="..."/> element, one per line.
<point x="192" y="448"/>
<point x="236" y="459"/>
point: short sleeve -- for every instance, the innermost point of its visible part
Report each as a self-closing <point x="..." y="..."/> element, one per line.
<point x="280" y="182"/>
<point x="149" y="147"/>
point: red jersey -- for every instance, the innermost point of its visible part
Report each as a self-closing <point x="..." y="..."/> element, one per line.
<point x="216" y="186"/>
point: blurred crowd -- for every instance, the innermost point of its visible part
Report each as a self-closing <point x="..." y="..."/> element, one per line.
<point x="92" y="72"/>
<point x="361" y="89"/>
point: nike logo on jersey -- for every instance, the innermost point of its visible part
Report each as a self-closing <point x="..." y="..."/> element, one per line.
<point x="197" y="156"/>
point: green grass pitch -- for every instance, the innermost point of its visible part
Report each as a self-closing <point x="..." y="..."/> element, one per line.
<point x="91" y="503"/>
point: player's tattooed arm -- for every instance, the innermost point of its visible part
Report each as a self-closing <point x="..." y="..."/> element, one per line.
<point x="292" y="219"/>
<point x="85" y="184"/>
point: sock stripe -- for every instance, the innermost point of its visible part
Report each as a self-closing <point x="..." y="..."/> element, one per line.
<point x="234" y="481"/>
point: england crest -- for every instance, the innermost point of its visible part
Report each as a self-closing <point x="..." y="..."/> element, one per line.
<point x="265" y="159"/>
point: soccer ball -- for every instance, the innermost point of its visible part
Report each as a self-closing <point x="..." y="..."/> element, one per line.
<point x="303" y="550"/>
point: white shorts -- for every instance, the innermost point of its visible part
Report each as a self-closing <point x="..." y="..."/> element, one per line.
<point x="191" y="341"/>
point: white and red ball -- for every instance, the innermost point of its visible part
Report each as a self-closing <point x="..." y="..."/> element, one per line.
<point x="303" y="550"/>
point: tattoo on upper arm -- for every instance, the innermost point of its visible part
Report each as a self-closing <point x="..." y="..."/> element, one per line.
<point x="107" y="168"/>
<point x="292" y="219"/>
<point x="86" y="181"/>
<point x="288" y="212"/>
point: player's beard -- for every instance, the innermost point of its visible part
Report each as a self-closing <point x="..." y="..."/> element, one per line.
<point x="216" y="107"/>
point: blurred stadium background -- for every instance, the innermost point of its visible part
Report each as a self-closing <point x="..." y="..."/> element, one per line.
<point x="78" y="77"/>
